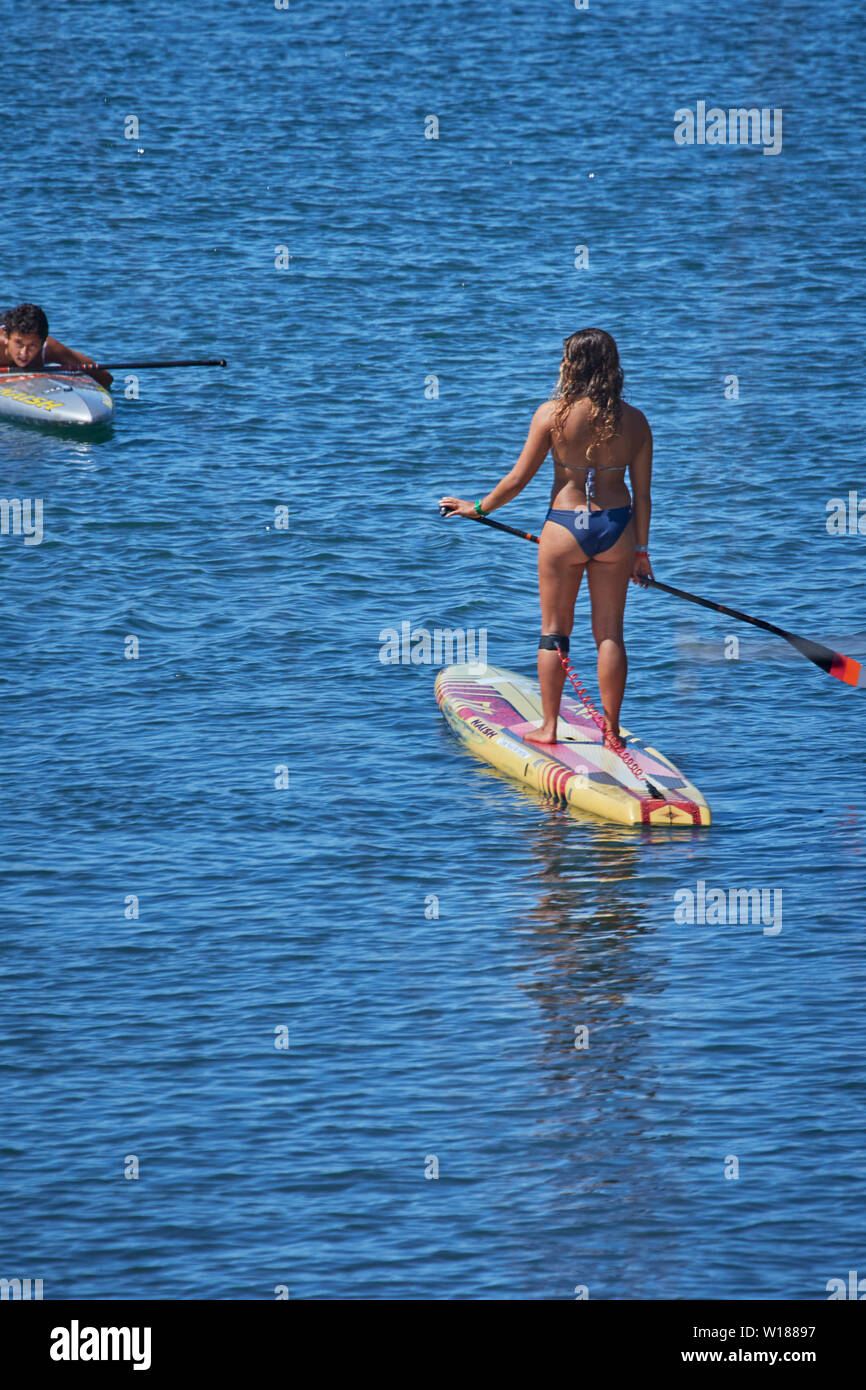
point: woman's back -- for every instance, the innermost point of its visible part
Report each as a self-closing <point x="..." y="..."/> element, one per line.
<point x="609" y="458"/>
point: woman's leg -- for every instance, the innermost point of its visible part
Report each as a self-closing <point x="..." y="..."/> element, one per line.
<point x="561" y="563"/>
<point x="609" y="575"/>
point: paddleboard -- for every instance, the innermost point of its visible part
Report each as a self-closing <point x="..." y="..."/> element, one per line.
<point x="59" y="399"/>
<point x="492" y="710"/>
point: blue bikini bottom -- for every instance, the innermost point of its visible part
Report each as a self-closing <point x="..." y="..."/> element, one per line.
<point x="593" y="531"/>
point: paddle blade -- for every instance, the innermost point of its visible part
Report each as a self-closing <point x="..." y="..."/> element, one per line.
<point x="844" y="668"/>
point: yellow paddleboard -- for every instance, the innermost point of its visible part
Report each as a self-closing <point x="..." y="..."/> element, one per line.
<point x="492" y="710"/>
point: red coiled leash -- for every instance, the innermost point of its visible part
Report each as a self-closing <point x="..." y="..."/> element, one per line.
<point x="610" y="741"/>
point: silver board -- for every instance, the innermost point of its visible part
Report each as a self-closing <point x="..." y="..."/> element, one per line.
<point x="56" y="399"/>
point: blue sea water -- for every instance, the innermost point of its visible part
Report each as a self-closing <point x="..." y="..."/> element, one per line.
<point x="423" y="934"/>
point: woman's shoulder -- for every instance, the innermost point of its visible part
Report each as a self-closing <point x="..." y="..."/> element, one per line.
<point x="544" y="414"/>
<point x="635" y="419"/>
<point x="579" y="409"/>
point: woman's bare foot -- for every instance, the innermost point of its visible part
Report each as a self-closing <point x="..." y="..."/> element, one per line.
<point x="543" y="734"/>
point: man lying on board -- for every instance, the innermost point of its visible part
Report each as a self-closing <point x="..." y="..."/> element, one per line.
<point x="25" y="344"/>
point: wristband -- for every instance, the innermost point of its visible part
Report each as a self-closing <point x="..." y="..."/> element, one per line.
<point x="642" y="550"/>
<point x="478" y="508"/>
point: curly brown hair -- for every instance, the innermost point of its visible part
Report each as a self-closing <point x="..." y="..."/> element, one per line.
<point x="590" y="369"/>
<point x="25" y="318"/>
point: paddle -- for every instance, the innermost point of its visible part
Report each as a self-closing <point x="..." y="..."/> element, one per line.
<point x="844" y="668"/>
<point x="48" y="370"/>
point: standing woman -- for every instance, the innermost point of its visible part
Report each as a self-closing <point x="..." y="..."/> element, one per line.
<point x="594" y="437"/>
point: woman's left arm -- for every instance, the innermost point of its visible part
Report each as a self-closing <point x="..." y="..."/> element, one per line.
<point x="532" y="456"/>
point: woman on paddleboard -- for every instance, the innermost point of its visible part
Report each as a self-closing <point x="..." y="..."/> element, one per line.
<point x="595" y="437"/>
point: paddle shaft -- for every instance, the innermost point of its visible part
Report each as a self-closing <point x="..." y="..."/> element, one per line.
<point x="720" y="608"/>
<point x="844" y="668"/>
<point x="48" y="370"/>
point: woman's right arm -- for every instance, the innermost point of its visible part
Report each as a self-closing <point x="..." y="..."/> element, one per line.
<point x="640" y="471"/>
<point x="532" y="456"/>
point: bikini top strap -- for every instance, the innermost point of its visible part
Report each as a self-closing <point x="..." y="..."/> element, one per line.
<point x="591" y="467"/>
<point x="591" y="470"/>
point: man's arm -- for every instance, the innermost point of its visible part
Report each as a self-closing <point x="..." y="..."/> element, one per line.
<point x="56" y="351"/>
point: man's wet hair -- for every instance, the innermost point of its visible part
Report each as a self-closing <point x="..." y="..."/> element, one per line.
<point x="26" y="319"/>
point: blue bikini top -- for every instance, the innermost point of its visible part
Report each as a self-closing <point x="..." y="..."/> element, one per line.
<point x="591" y="471"/>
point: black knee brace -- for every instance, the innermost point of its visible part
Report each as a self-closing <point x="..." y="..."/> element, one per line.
<point x="553" y="641"/>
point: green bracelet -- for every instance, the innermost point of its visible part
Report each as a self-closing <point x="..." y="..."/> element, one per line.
<point x="478" y="508"/>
